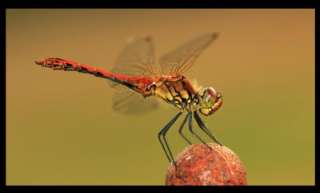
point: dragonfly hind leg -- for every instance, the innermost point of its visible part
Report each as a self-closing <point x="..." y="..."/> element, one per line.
<point x="180" y="130"/>
<point x="164" y="143"/>
<point x="204" y="128"/>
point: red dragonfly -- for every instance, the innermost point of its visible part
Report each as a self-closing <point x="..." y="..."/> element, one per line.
<point x="136" y="73"/>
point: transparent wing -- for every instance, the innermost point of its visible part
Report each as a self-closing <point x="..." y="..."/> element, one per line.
<point x="129" y="102"/>
<point x="136" y="59"/>
<point x="181" y="59"/>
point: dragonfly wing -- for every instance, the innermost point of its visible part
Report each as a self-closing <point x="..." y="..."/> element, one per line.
<point x="129" y="102"/>
<point x="137" y="58"/>
<point x="181" y="59"/>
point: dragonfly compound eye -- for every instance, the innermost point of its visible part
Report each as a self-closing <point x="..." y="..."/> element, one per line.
<point x="211" y="101"/>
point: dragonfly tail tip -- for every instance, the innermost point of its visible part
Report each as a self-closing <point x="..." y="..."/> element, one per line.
<point x="38" y="62"/>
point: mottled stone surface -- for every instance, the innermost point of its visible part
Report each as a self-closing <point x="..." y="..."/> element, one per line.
<point x="200" y="165"/>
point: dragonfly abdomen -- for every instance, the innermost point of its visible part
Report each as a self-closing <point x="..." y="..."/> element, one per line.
<point x="136" y="83"/>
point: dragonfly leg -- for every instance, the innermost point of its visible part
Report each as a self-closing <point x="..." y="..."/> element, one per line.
<point x="162" y="134"/>
<point x="180" y="130"/>
<point x="204" y="128"/>
<point x="191" y="129"/>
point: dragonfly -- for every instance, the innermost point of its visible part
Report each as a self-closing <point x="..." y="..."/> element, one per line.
<point x="136" y="77"/>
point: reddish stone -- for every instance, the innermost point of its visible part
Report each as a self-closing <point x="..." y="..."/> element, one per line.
<point x="200" y="165"/>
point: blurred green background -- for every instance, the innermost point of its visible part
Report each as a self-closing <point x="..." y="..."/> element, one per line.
<point x="61" y="129"/>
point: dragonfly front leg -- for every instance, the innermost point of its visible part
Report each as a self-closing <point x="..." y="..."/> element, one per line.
<point x="204" y="128"/>
<point x="162" y="134"/>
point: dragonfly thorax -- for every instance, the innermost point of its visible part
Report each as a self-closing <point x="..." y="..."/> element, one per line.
<point x="179" y="92"/>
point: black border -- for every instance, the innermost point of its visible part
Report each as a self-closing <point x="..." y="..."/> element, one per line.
<point x="148" y="4"/>
<point x="3" y="118"/>
<point x="160" y="4"/>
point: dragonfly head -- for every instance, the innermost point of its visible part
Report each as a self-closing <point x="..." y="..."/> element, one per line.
<point x="210" y="100"/>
